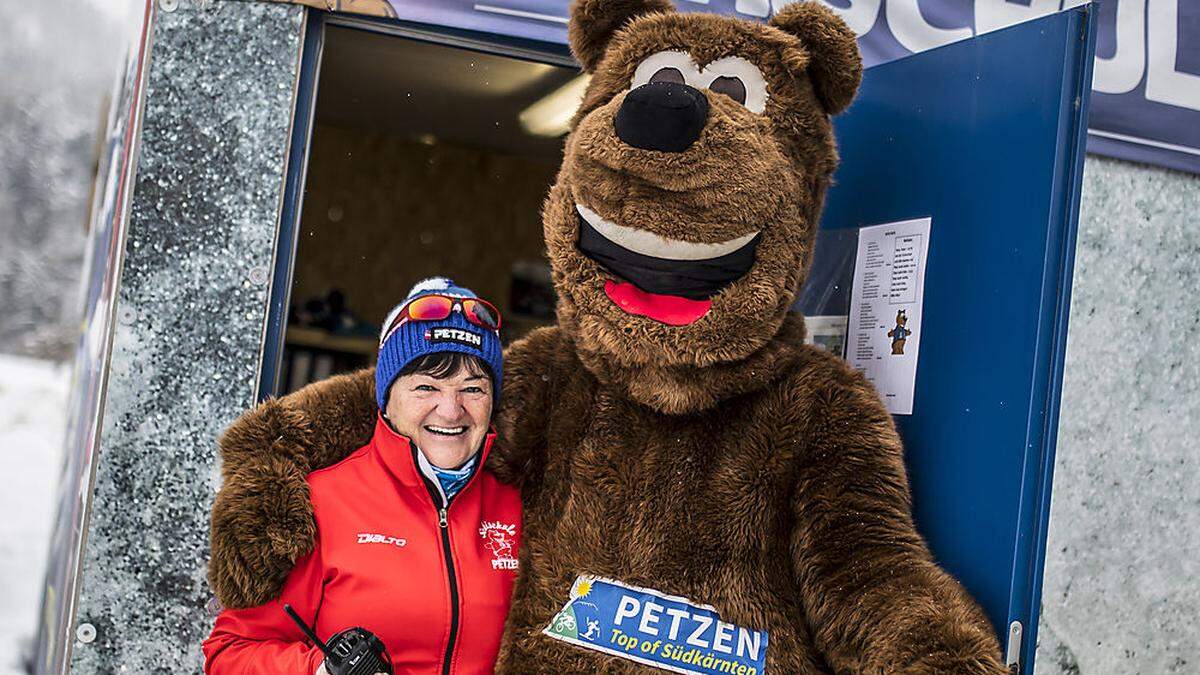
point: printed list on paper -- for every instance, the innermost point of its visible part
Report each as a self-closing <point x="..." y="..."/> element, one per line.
<point x="884" y="335"/>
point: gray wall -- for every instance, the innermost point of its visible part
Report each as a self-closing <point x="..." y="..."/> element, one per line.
<point x="191" y="307"/>
<point x="1123" y="558"/>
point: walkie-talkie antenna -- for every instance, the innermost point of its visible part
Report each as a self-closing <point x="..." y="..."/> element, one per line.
<point x="307" y="631"/>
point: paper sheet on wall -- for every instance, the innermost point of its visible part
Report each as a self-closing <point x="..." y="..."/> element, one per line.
<point x="884" y="336"/>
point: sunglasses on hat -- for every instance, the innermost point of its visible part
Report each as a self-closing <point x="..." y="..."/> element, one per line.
<point x="434" y="307"/>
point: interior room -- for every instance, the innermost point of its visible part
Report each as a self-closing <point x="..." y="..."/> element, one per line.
<point x="425" y="159"/>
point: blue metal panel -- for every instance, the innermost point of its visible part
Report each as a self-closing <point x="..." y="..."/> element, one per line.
<point x="985" y="136"/>
<point x="289" y="216"/>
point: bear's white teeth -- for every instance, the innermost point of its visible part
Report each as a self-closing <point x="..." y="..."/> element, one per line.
<point x="657" y="246"/>
<point x="445" y="431"/>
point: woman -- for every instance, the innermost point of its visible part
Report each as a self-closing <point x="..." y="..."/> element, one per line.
<point x="416" y="540"/>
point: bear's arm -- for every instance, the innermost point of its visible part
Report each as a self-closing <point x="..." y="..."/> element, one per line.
<point x="262" y="520"/>
<point x="531" y="367"/>
<point x="874" y="597"/>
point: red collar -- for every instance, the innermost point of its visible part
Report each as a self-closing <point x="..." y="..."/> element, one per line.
<point x="399" y="455"/>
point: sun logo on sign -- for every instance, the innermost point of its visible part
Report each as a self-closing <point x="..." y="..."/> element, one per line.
<point x="582" y="587"/>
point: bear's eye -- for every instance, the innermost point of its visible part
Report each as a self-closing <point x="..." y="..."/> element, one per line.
<point x="731" y="87"/>
<point x="668" y="66"/>
<point x="739" y="79"/>
<point x="667" y="75"/>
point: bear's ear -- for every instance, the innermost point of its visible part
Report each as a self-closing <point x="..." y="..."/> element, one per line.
<point x="834" y="64"/>
<point x="593" y="23"/>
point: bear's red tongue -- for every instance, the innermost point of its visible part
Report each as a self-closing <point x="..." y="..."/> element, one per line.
<point x="669" y="309"/>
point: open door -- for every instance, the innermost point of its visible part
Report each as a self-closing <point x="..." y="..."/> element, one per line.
<point x="426" y="153"/>
<point x="972" y="156"/>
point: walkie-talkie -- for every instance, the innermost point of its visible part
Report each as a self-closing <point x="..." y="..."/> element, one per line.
<point x="354" y="651"/>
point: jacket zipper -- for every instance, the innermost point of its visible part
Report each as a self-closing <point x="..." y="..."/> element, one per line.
<point x="444" y="526"/>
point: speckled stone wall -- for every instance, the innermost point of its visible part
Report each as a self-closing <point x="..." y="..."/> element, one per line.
<point x="190" y="313"/>
<point x="1121" y="593"/>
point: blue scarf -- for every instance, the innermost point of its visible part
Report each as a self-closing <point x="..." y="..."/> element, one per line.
<point x="453" y="480"/>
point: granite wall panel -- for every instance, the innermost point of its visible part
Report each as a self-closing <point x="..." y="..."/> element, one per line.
<point x="1123" y="553"/>
<point x="191" y="308"/>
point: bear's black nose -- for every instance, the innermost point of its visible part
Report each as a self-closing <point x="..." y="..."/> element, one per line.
<point x="663" y="116"/>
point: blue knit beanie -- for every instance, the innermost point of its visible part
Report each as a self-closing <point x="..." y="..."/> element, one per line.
<point x="414" y="339"/>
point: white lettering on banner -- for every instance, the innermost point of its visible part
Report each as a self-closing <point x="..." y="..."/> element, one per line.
<point x="752" y="7"/>
<point x="702" y="624"/>
<point x="759" y="8"/>
<point x="912" y="31"/>
<point x="723" y="636"/>
<point x="629" y="607"/>
<point x="993" y="15"/>
<point x="1163" y="83"/>
<point x="676" y="615"/>
<point x="650" y="615"/>
<point x="860" y="16"/>
<point x="1122" y="73"/>
<point x="749" y="643"/>
<point x="699" y="627"/>
<point x="1119" y="74"/>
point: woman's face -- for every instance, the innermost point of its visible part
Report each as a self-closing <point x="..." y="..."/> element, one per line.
<point x="447" y="418"/>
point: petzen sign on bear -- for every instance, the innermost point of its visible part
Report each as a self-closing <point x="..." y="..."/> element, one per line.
<point x="658" y="630"/>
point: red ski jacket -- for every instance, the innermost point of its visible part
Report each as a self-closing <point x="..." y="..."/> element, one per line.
<point x="432" y="580"/>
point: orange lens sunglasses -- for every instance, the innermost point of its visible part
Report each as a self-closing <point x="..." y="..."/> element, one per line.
<point x="436" y="307"/>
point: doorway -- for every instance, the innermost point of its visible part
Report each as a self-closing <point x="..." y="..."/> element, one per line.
<point x="426" y="158"/>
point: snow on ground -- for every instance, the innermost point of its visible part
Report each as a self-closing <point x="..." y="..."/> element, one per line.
<point x="33" y="397"/>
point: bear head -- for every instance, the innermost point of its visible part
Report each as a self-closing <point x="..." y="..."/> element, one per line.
<point x="683" y="217"/>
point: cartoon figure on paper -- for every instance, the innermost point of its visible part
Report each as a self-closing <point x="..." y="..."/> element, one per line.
<point x="899" y="333"/>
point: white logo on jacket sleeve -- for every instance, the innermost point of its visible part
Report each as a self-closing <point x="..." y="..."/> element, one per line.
<point x="501" y="540"/>
<point x="369" y="538"/>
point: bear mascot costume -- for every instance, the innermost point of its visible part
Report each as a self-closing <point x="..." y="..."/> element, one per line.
<point x="672" y="433"/>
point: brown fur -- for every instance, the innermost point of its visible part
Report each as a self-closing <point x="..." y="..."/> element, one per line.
<point x="262" y="520"/>
<point x="837" y="71"/>
<point x="593" y="24"/>
<point x="722" y="461"/>
<point x="746" y="172"/>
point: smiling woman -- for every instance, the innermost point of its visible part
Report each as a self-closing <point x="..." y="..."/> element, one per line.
<point x="443" y="402"/>
<point x="417" y="496"/>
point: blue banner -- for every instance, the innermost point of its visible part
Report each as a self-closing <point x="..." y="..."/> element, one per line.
<point x="1146" y="89"/>
<point x="657" y="630"/>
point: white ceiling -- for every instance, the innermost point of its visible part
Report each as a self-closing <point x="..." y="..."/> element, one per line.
<point x="419" y="89"/>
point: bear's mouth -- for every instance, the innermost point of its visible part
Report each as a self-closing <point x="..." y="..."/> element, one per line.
<point x="668" y="280"/>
